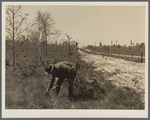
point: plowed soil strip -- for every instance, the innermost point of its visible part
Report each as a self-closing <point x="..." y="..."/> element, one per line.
<point x="126" y="73"/>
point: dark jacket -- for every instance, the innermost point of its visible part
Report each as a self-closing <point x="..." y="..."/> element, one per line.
<point x="62" y="70"/>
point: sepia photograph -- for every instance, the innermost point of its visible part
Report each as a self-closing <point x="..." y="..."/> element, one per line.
<point x="74" y="59"/>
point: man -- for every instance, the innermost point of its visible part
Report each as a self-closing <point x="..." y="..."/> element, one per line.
<point x="62" y="70"/>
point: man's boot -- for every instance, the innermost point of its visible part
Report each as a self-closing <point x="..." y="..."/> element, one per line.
<point x="70" y="96"/>
<point x="57" y="89"/>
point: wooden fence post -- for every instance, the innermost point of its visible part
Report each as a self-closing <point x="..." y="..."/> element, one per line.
<point x="124" y="55"/>
<point x="141" y="57"/>
<point x="132" y="56"/>
<point x="111" y="49"/>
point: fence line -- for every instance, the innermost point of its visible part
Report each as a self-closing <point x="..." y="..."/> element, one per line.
<point x="123" y="56"/>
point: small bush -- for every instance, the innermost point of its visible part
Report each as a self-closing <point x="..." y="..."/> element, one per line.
<point x="25" y="69"/>
<point x="84" y="89"/>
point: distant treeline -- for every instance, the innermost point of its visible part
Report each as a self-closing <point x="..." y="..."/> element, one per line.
<point x="119" y="49"/>
<point x="29" y="48"/>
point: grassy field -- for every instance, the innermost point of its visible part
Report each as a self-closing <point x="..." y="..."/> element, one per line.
<point x="27" y="91"/>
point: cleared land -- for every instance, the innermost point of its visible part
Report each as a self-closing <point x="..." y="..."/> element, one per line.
<point x="120" y="72"/>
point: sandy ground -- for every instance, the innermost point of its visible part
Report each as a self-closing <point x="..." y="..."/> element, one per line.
<point x="119" y="71"/>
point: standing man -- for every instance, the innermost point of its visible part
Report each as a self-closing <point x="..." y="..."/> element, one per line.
<point x="62" y="70"/>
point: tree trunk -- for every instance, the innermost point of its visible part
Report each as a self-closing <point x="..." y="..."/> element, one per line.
<point x="110" y="52"/>
<point x="132" y="56"/>
<point x="69" y="45"/>
<point x="46" y="45"/>
<point x="41" y="51"/>
<point x="13" y="41"/>
<point x="27" y="48"/>
<point x="36" y="57"/>
<point x="36" y="54"/>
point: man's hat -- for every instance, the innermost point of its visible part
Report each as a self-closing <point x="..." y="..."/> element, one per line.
<point x="49" y="68"/>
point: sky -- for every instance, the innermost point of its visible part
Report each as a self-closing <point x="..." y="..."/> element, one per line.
<point x="91" y="25"/>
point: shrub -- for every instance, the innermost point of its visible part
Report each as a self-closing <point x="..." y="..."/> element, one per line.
<point x="87" y="89"/>
<point x="25" y="68"/>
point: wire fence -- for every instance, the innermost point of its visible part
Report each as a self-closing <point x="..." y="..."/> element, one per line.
<point x="135" y="54"/>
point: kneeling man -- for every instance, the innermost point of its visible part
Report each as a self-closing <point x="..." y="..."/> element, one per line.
<point x="63" y="70"/>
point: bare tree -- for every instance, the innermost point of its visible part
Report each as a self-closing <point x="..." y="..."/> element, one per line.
<point x="34" y="37"/>
<point x="69" y="42"/>
<point x="37" y="25"/>
<point x="46" y="23"/>
<point x="14" y="22"/>
<point x="55" y="34"/>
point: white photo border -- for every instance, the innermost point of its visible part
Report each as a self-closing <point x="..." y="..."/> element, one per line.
<point x="77" y="113"/>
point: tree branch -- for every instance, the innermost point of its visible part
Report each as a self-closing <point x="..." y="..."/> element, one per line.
<point x="8" y="45"/>
<point x="17" y="9"/>
<point x="9" y="17"/>
<point x="8" y="29"/>
<point x="9" y="34"/>
<point x="20" y="32"/>
<point x="7" y="20"/>
<point x="18" y="26"/>
<point x="10" y="9"/>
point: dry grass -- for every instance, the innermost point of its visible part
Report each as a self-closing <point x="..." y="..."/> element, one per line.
<point x="28" y="92"/>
